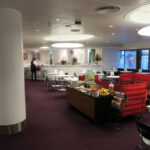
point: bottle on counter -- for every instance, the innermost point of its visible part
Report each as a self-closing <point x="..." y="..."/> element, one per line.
<point x="111" y="89"/>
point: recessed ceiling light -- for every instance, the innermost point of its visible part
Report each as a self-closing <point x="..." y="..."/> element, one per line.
<point x="140" y="14"/>
<point x="75" y="30"/>
<point x="75" y="37"/>
<point x="144" y="31"/>
<point x="111" y="26"/>
<point x="36" y="50"/>
<point x="67" y="45"/>
<point x="37" y="30"/>
<point x="67" y="25"/>
<point x="113" y="33"/>
<point x="137" y="29"/>
<point x="44" y="47"/>
<point x="57" y="19"/>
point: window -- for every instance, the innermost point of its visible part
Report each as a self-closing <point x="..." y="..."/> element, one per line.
<point x="121" y="59"/>
<point x="51" y="54"/>
<point x="91" y="56"/>
<point x="130" y="59"/>
<point x="144" y="59"/>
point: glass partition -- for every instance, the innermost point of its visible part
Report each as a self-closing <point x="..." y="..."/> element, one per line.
<point x="144" y="59"/>
<point x="130" y="59"/>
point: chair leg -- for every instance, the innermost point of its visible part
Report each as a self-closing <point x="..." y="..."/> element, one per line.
<point x="139" y="146"/>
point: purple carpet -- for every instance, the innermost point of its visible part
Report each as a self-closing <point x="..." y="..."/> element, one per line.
<point x="53" y="125"/>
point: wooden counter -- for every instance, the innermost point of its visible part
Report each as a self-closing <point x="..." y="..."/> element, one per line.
<point x="98" y="109"/>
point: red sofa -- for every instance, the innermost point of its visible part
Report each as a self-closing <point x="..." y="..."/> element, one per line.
<point x="136" y="78"/>
<point x="136" y="98"/>
<point x="135" y="89"/>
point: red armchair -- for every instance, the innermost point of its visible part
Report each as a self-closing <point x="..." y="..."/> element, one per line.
<point x="136" y="98"/>
<point x="136" y="78"/>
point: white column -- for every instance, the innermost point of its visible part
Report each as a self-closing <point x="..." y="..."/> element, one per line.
<point x="12" y="94"/>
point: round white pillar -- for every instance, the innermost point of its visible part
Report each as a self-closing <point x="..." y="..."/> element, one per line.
<point x="12" y="94"/>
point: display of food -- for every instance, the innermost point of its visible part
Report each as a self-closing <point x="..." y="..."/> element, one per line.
<point x="95" y="92"/>
<point x="104" y="91"/>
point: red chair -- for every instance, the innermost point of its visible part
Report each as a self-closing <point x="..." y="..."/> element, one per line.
<point x="136" y="98"/>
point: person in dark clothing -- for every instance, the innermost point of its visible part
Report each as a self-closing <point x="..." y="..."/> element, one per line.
<point x="33" y="69"/>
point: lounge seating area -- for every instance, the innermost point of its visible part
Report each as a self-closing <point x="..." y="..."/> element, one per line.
<point x="135" y="90"/>
<point x="75" y="75"/>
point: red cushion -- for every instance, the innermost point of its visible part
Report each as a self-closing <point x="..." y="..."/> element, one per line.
<point x="133" y="107"/>
<point x="81" y="78"/>
<point x="96" y="77"/>
<point x="126" y="104"/>
<point x="136" y="97"/>
<point x="137" y="92"/>
<point x="131" y="112"/>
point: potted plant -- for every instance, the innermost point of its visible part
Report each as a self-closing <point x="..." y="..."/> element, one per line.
<point x="97" y="58"/>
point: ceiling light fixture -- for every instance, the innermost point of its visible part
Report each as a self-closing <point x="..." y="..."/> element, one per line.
<point x="36" y="50"/>
<point x="67" y="25"/>
<point x="67" y="45"/>
<point x="140" y="14"/>
<point x="113" y="33"/>
<point x="75" y="30"/>
<point x="37" y="30"/>
<point x="75" y="37"/>
<point x="57" y="19"/>
<point x="111" y="26"/>
<point x="144" y="31"/>
<point x="44" y="47"/>
<point x="107" y="9"/>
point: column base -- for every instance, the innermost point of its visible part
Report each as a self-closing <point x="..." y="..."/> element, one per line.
<point x="12" y="129"/>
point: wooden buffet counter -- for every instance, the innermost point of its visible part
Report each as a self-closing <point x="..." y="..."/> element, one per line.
<point x="98" y="109"/>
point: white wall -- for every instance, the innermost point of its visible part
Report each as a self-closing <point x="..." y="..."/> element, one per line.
<point x="136" y="45"/>
<point x="58" y="55"/>
<point x="68" y="54"/>
<point x="110" y="58"/>
<point x="44" y="57"/>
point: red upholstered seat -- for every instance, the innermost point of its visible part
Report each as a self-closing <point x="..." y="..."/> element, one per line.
<point x="82" y="77"/>
<point x="136" y="98"/>
<point x="137" y="78"/>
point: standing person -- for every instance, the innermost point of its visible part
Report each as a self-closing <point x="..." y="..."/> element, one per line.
<point x="33" y="69"/>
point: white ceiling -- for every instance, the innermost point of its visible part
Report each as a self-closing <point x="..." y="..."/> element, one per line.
<point x="42" y="15"/>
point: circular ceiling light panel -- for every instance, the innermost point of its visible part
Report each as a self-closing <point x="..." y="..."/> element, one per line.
<point x="67" y="45"/>
<point x="140" y="14"/>
<point x="60" y="38"/>
<point x="144" y="31"/>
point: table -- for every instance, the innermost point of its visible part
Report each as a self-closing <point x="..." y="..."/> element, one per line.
<point x="113" y="78"/>
<point x="100" y="76"/>
<point x="96" y="108"/>
<point x="73" y="81"/>
<point x="61" y="77"/>
<point x="126" y="71"/>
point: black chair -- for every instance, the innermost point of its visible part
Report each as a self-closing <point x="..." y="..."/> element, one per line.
<point x="144" y="130"/>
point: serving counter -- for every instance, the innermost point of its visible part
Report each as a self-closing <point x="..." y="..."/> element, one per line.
<point x="96" y="108"/>
<point x="71" y="69"/>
